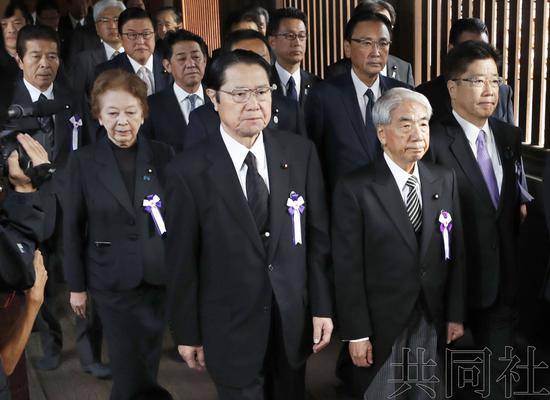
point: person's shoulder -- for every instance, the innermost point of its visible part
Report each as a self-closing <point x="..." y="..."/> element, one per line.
<point x="391" y="83"/>
<point x="191" y="160"/>
<point x="288" y="139"/>
<point x="436" y="169"/>
<point x="159" y="97"/>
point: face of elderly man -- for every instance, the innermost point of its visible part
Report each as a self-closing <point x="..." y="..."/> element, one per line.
<point x="107" y="26"/>
<point x="243" y="120"/>
<point x="407" y="137"/>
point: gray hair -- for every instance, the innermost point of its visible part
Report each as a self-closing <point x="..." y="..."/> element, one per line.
<point x="393" y="98"/>
<point x="103" y="4"/>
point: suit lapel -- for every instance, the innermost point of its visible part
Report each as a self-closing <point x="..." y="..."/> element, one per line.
<point x="61" y="123"/>
<point x="390" y="198"/>
<point x="160" y="76"/>
<point x="305" y="85"/>
<point x="465" y="158"/>
<point x="173" y="108"/>
<point x="222" y="173"/>
<point x="279" y="189"/>
<point x="504" y="150"/>
<point x="349" y="97"/>
<point x="109" y="175"/>
<point x="277" y="81"/>
<point x="145" y="174"/>
<point x="430" y="185"/>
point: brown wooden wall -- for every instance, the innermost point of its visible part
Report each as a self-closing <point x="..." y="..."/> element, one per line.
<point x="202" y="17"/>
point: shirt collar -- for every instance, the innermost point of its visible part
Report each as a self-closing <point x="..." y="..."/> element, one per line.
<point x="109" y="51"/>
<point x="35" y="92"/>
<point x="181" y="94"/>
<point x="284" y="75"/>
<point x="384" y="70"/>
<point x="361" y="87"/>
<point x="75" y="21"/>
<point x="399" y="174"/>
<point x="238" y="152"/>
<point x="471" y="131"/>
<point x="136" y="66"/>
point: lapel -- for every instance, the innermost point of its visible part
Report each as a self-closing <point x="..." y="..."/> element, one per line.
<point x="223" y="175"/>
<point x="21" y="95"/>
<point x="344" y="84"/>
<point x="62" y="131"/>
<point x="277" y="81"/>
<point x="98" y="56"/>
<point x="430" y="184"/>
<point x="279" y="188"/>
<point x="389" y="196"/>
<point x="464" y="157"/>
<point x="305" y="84"/>
<point x="145" y="179"/>
<point x="122" y="61"/>
<point x="160" y="76"/>
<point x="505" y="153"/>
<point x="109" y="175"/>
<point x="172" y="108"/>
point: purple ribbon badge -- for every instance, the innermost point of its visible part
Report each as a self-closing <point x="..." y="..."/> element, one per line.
<point x="77" y="123"/>
<point x="296" y="206"/>
<point x="445" y="227"/>
<point x="152" y="205"/>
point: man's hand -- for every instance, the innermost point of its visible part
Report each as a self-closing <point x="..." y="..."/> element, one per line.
<point x="35" y="295"/>
<point x="193" y="356"/>
<point x="522" y="212"/>
<point x="78" y="303"/>
<point x="361" y="353"/>
<point x="37" y="155"/>
<point x="455" y="330"/>
<point x="322" y="331"/>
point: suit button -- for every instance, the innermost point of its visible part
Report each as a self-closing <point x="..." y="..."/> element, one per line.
<point x="133" y="237"/>
<point x="266" y="309"/>
<point x="267" y="234"/>
<point x="270" y="267"/>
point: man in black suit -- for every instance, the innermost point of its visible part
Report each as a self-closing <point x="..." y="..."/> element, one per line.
<point x="395" y="67"/>
<point x="485" y="154"/>
<point x="395" y="212"/>
<point x="138" y="39"/>
<point x="287" y="32"/>
<point x="38" y="52"/>
<point x="285" y="113"/>
<point x="248" y="244"/>
<point x="77" y="17"/>
<point x="339" y="110"/>
<point x="185" y="58"/>
<point x="106" y="13"/>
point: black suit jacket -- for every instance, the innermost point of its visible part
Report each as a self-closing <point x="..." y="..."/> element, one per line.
<point x="397" y="69"/>
<point x="437" y="93"/>
<point x="334" y="122"/>
<point x="225" y="276"/>
<point x="285" y="116"/>
<point x="381" y="268"/>
<point x="308" y="81"/>
<point x="162" y="78"/>
<point x="110" y="241"/>
<point x="68" y="34"/>
<point x="491" y="235"/>
<point x="166" y="123"/>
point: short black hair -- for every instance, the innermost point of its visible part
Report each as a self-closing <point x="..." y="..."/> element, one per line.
<point x="44" y="5"/>
<point x="35" y="32"/>
<point x="362" y="17"/>
<point x="375" y="6"/>
<point x="244" y="34"/>
<point x="255" y="13"/>
<point x="131" y="14"/>
<point x="182" y="35"/>
<point x="15" y="5"/>
<point x="176" y="13"/>
<point x="472" y="25"/>
<point x="284" y="13"/>
<point x="216" y="73"/>
<point x="465" y="53"/>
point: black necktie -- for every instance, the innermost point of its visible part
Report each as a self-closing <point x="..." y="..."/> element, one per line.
<point x="291" y="89"/>
<point x="371" y="129"/>
<point x="257" y="193"/>
<point x="47" y="127"/>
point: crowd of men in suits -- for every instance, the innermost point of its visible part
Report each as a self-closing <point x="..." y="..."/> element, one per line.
<point x="426" y="188"/>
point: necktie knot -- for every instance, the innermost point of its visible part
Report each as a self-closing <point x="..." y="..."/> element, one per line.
<point x="250" y="161"/>
<point x="370" y="95"/>
<point x="412" y="182"/>
<point x="481" y="138"/>
<point x="192" y="100"/>
<point x="291" y="89"/>
<point x="145" y="75"/>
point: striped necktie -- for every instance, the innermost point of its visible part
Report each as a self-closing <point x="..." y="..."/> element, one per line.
<point x="414" y="210"/>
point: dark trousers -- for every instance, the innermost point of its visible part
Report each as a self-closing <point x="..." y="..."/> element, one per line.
<point x="494" y="328"/>
<point x="89" y="335"/>
<point x="278" y="380"/>
<point x="133" y="324"/>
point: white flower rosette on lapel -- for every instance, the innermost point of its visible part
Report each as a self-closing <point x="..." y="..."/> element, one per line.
<point x="296" y="206"/>
<point x="152" y="205"/>
<point x="445" y="227"/>
<point x="76" y="121"/>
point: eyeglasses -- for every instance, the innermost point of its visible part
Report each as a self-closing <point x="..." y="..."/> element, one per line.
<point x="291" y="36"/>
<point x="382" y="44"/>
<point x="106" y="20"/>
<point x="479" y="81"/>
<point x="135" y="35"/>
<point x="243" y="95"/>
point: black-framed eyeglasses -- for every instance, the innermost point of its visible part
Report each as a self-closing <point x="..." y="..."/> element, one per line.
<point x="135" y="35"/>
<point x="479" y="81"/>
<point x="291" y="36"/>
<point x="242" y="95"/>
<point x="382" y="44"/>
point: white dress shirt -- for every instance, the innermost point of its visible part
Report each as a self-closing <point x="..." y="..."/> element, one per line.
<point x="471" y="131"/>
<point x="35" y="92"/>
<point x="183" y="101"/>
<point x="360" y="90"/>
<point x="109" y="51"/>
<point x="238" y="153"/>
<point x="401" y="177"/>
<point x="284" y="76"/>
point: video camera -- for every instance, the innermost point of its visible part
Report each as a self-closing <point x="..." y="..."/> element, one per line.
<point x="19" y="119"/>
